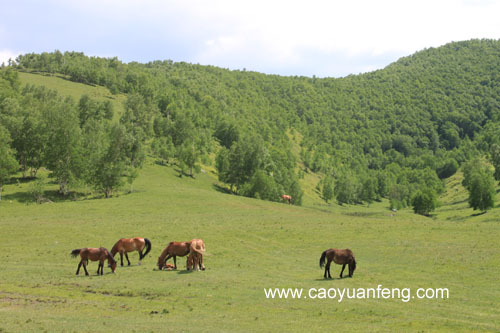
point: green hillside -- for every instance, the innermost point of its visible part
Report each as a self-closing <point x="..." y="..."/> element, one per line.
<point x="398" y="129"/>
<point x="66" y="87"/>
<point x="423" y="122"/>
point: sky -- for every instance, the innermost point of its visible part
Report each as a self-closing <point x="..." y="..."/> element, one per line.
<point x="285" y="37"/>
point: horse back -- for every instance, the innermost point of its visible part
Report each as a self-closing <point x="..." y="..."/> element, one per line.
<point x="92" y="253"/>
<point x="138" y="243"/>
<point x="178" y="248"/>
<point x="129" y="244"/>
<point x="341" y="256"/>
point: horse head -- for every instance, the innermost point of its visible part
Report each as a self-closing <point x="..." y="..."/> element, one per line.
<point x="161" y="263"/>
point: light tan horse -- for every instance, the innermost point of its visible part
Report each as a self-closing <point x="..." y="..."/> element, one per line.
<point x="195" y="258"/>
<point x="94" y="254"/>
<point x="168" y="267"/>
<point x="125" y="245"/>
<point x="173" y="250"/>
<point x="340" y="257"/>
<point x="287" y="197"/>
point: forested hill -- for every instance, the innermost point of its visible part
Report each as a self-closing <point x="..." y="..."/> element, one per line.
<point x="387" y="133"/>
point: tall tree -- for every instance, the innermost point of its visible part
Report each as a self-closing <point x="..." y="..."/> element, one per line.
<point x="495" y="160"/>
<point x="424" y="202"/>
<point x="328" y="188"/>
<point x="8" y="164"/>
<point x="481" y="189"/>
<point x="63" y="150"/>
<point x="112" y="164"/>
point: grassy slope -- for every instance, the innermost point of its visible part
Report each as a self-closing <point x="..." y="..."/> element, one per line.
<point x="75" y="90"/>
<point x="251" y="245"/>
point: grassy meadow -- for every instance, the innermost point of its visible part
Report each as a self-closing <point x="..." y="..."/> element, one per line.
<point x="251" y="245"/>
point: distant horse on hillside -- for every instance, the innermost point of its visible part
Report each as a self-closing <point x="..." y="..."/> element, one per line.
<point x="94" y="254"/>
<point x="286" y="197"/>
<point x="173" y="250"/>
<point x="340" y="257"/>
<point x="125" y="245"/>
<point x="195" y="258"/>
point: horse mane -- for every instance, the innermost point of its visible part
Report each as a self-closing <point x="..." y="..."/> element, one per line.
<point x="161" y="258"/>
<point x="114" y="249"/>
<point x="110" y="257"/>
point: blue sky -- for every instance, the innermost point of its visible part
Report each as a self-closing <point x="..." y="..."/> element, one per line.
<point x="323" y="38"/>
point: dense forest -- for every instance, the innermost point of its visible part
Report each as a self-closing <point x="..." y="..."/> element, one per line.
<point x="392" y="133"/>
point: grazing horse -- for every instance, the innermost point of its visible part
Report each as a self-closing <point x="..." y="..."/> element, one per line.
<point x="195" y="258"/>
<point x="173" y="250"/>
<point x="125" y="245"/>
<point x="94" y="254"/>
<point x="340" y="257"/>
<point x="286" y="197"/>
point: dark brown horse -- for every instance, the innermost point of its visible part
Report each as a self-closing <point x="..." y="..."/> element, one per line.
<point x="173" y="250"/>
<point x="195" y="258"/>
<point x="286" y="197"/>
<point x="94" y="254"/>
<point x="125" y="245"/>
<point x="340" y="257"/>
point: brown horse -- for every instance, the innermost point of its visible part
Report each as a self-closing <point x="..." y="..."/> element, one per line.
<point x="173" y="250"/>
<point x="168" y="267"/>
<point x="94" y="254"/>
<point x="125" y="245"/>
<point x="195" y="258"/>
<point x="340" y="257"/>
<point x="286" y="197"/>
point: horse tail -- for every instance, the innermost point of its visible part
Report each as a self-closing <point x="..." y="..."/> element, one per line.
<point x="148" y="247"/>
<point x="322" y="259"/>
<point x="76" y="252"/>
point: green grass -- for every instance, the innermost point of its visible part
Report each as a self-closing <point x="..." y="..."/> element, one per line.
<point x="68" y="88"/>
<point x="251" y="245"/>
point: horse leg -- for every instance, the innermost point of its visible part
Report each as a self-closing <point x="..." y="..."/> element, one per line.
<point x="327" y="270"/>
<point x="121" y="258"/>
<point x="126" y="256"/>
<point x="78" y="270"/>
<point x="342" y="271"/>
<point x="168" y="257"/>
<point x="202" y="267"/>
<point x="85" y="268"/>
<point x="329" y="264"/>
<point x="175" y="262"/>
<point x="140" y="257"/>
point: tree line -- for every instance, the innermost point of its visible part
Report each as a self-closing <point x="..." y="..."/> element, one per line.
<point x="393" y="133"/>
<point x="76" y="141"/>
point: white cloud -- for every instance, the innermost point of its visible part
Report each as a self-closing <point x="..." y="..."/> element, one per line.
<point x="278" y="30"/>
<point x="273" y="36"/>
<point x="5" y="55"/>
